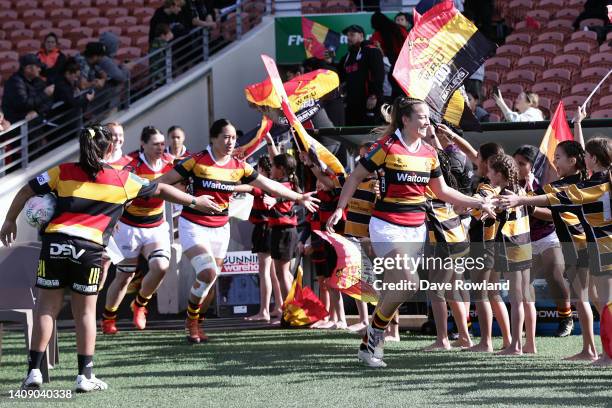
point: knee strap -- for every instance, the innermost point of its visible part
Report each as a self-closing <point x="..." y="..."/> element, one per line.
<point x="127" y="268"/>
<point x="203" y="262"/>
<point x="158" y="253"/>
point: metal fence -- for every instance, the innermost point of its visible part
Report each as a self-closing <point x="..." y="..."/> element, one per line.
<point x="25" y="141"/>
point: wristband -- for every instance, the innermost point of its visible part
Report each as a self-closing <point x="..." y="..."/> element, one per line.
<point x="193" y="203"/>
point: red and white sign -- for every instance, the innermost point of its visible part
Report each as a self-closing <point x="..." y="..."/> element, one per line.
<point x="240" y="262"/>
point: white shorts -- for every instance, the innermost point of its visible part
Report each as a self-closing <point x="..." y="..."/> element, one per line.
<point x="130" y="240"/>
<point x="216" y="239"/>
<point x="542" y="244"/>
<point x="387" y="237"/>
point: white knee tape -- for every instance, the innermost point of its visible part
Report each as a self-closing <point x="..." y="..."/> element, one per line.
<point x="202" y="262"/>
<point x="202" y="289"/>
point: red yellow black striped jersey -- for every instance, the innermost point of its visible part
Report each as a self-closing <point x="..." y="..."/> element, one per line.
<point x="329" y="199"/>
<point x="446" y="232"/>
<point x="282" y="214"/>
<point x="87" y="208"/>
<point x="512" y="238"/>
<point x="594" y="198"/>
<point x="567" y="221"/>
<point x="121" y="162"/>
<point x="539" y="228"/>
<point x="215" y="179"/>
<point x="359" y="209"/>
<point x="259" y="212"/>
<point x="146" y="212"/>
<point x="402" y="188"/>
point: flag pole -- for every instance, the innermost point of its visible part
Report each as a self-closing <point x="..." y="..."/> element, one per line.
<point x="596" y="88"/>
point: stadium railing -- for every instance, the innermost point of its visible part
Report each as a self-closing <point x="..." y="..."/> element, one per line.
<point x="25" y="141"/>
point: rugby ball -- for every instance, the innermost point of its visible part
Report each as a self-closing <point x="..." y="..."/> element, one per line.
<point x="39" y="210"/>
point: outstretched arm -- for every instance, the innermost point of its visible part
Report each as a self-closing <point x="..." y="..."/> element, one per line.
<point x="8" y="233"/>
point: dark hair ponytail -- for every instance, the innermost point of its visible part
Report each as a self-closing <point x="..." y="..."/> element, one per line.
<point x="265" y="163"/>
<point x="601" y="148"/>
<point x="573" y="149"/>
<point x="217" y="127"/>
<point x="94" y="142"/>
<point x="288" y="163"/>
<point x="504" y="164"/>
<point x="490" y="149"/>
<point x="529" y="152"/>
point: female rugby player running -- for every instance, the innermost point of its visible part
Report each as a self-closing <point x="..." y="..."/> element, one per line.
<point x="90" y="199"/>
<point x="205" y="235"/>
<point x="397" y="226"/>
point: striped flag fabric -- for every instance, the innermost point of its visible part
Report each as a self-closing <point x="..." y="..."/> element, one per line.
<point x="347" y="276"/>
<point x="322" y="157"/>
<point x="459" y="114"/>
<point x="442" y="50"/>
<point x="302" y="307"/>
<point x="318" y="38"/>
<point x="557" y="132"/>
<point x="251" y="141"/>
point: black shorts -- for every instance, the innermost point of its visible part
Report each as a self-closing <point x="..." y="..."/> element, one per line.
<point x="260" y="239"/>
<point x="283" y="243"/>
<point x="67" y="261"/>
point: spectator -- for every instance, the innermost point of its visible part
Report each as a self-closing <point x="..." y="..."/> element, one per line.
<point x="4" y="124"/>
<point x="26" y="95"/>
<point x="362" y="71"/>
<point x="526" y="105"/>
<point x="74" y="101"/>
<point x="176" y="146"/>
<point x="199" y="13"/>
<point x="168" y="13"/>
<point x="404" y="19"/>
<point x="593" y="9"/>
<point x="52" y="58"/>
<point x="91" y="74"/>
<point x="474" y="102"/>
<point x="389" y="37"/>
<point x="157" y="61"/>
<point x="115" y="72"/>
<point x="474" y="82"/>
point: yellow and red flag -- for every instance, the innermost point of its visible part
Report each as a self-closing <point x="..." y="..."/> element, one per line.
<point x="441" y="51"/>
<point x="302" y="307"/>
<point x="318" y="153"/>
<point x="347" y="275"/>
<point x="318" y="38"/>
<point x="557" y="132"/>
<point x="250" y="143"/>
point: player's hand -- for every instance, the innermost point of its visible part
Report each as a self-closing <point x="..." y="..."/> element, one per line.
<point x="487" y="209"/>
<point x="206" y="203"/>
<point x="8" y="233"/>
<point x="371" y="102"/>
<point x="309" y="202"/>
<point x="510" y="200"/>
<point x="269" y="201"/>
<point x="333" y="220"/>
<point x="580" y="114"/>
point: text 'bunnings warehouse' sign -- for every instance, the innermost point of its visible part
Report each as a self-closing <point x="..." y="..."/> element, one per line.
<point x="289" y="41"/>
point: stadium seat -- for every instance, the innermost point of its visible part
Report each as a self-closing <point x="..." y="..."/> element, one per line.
<point x="510" y="90"/>
<point x="115" y="12"/>
<point x="125" y="41"/>
<point x="97" y="22"/>
<point x="9" y="56"/>
<point x="551" y="5"/>
<point x="28" y="16"/>
<point x="78" y="4"/>
<point x="128" y="53"/>
<point x="578" y="4"/>
<point x="550" y="90"/>
<point x="591" y="22"/>
<point x="24" y="5"/>
<point x="602" y="114"/>
<point x="522" y="77"/>
<point x="142" y="43"/>
<point x="491" y="79"/>
<point x="560" y="25"/>
<point x="493" y="117"/>
<point x="64" y="43"/>
<point x="546" y="50"/>
<point x="113" y="29"/>
<point x="11" y="25"/>
<point x="536" y="63"/>
<point x="78" y="33"/>
<point x="86" y="13"/>
<point x="601" y="59"/>
<point x="522" y="27"/>
<point x="51" y="4"/>
<point x="497" y="62"/>
<point x="555" y="37"/>
<point x="83" y="41"/>
<point x="523" y="39"/>
<point x="143" y="14"/>
<point x="59" y="14"/>
<point x="57" y="31"/>
<point x="571" y="62"/>
<point x="605" y="102"/>
<point x="105" y="4"/>
<point x="18" y="35"/>
<point x="571" y="103"/>
<point x="567" y="14"/>
<point x="540" y="15"/>
<point x="126" y="21"/>
<point x="132" y="4"/>
<point x="509" y="51"/>
<point x="68" y="24"/>
<point x="5" y="5"/>
<point x="27" y="46"/>
<point x="583" y="88"/>
<point x="593" y="74"/>
<point x="561" y="76"/>
<point x="606" y="47"/>
<point x="517" y="9"/>
<point x="5" y="45"/>
<point x="39" y="25"/>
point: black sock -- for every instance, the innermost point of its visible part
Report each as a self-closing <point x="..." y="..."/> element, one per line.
<point x="85" y="365"/>
<point x="35" y="360"/>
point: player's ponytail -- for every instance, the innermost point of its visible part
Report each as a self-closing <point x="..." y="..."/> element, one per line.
<point x="94" y="143"/>
<point x="289" y="165"/>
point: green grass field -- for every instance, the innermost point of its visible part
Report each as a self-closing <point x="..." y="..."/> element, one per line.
<point x="272" y="368"/>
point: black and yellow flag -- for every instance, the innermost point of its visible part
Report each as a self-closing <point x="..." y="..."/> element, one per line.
<point x="441" y="51"/>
